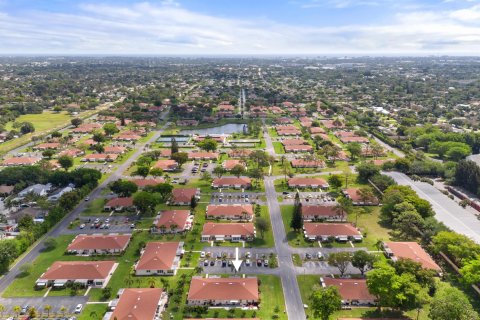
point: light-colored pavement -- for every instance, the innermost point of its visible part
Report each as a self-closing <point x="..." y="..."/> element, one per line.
<point x="447" y="211"/>
<point x="395" y="151"/>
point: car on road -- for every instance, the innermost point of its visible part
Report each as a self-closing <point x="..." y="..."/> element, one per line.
<point x="87" y="198"/>
<point x="82" y="226"/>
<point x="285" y="193"/>
<point x="78" y="308"/>
<point x="25" y="309"/>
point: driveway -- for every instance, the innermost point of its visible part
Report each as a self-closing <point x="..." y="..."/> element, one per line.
<point x="446" y="210"/>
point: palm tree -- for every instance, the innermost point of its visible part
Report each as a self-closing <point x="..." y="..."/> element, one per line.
<point x="165" y="284"/>
<point x="16" y="310"/>
<point x="128" y="281"/>
<point x="152" y="282"/>
<point x="47" y="309"/>
<point x="63" y="310"/>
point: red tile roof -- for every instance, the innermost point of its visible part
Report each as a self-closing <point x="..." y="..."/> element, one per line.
<point x="242" y="229"/>
<point x="166" y="164"/>
<point x="307" y="182"/>
<point x="173" y="217"/>
<point x="99" y="242"/>
<point x="302" y="163"/>
<point x="21" y="161"/>
<point x="120" y="202"/>
<point x="223" y="289"/>
<point x="320" y="211"/>
<point x="80" y="270"/>
<point x="158" y="256"/>
<point x="137" y="304"/>
<point x="229" y="164"/>
<point x="412" y="251"/>
<point x="202" y="155"/>
<point x="229" y="210"/>
<point x="183" y="194"/>
<point x="330" y="229"/>
<point x="350" y="289"/>
<point x="293" y="142"/>
<point x="141" y="183"/>
<point x="231" y="181"/>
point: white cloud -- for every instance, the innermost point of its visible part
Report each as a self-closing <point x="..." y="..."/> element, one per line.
<point x="167" y="28"/>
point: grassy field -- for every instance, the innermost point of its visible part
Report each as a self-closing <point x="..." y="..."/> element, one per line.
<point x="24" y="286"/>
<point x="42" y="122"/>
<point x="295" y="239"/>
<point x="95" y="208"/>
<point x="278" y="147"/>
<point x="368" y="220"/>
<point x="93" y="312"/>
<point x="267" y="240"/>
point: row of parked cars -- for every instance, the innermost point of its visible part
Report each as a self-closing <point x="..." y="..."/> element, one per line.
<point x="196" y="167"/>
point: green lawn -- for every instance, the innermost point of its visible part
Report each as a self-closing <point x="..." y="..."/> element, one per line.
<point x="295" y="239"/>
<point x="93" y="312"/>
<point x="267" y="241"/>
<point x="24" y="286"/>
<point x="44" y="121"/>
<point x="95" y="208"/>
<point x="278" y="147"/>
<point x="297" y="261"/>
<point x="369" y="223"/>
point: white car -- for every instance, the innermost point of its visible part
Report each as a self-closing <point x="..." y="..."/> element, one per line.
<point x="248" y="263"/>
<point x="82" y="226"/>
<point x="78" y="308"/>
<point x="202" y="254"/>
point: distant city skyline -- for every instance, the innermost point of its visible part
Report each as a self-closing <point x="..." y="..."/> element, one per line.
<point x="247" y="27"/>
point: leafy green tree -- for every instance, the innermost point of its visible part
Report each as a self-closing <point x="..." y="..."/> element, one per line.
<point x="174" y="146"/>
<point x="110" y="129"/>
<point x="238" y="170"/>
<point x="362" y="260"/>
<point x="262" y="225"/>
<point x="66" y="162"/>
<point x="471" y="271"/>
<point x="341" y="260"/>
<point x="297" y="220"/>
<point x="48" y="153"/>
<point x="219" y="171"/>
<point x="142" y="171"/>
<point x="355" y="150"/>
<point x="325" y="302"/>
<point x="180" y="157"/>
<point x="450" y="303"/>
<point x="8" y="252"/>
<point x="98" y="136"/>
<point x="208" y="144"/>
<point x="164" y="191"/>
<point x="366" y="170"/>
<point x="335" y="181"/>
<point x="76" y="122"/>
<point x="156" y="172"/>
<point x="409" y="223"/>
<point x="50" y="243"/>
<point x="145" y="203"/>
<point x="123" y="188"/>
<point x="458" y="247"/>
<point x="344" y="206"/>
<point x="27" y="127"/>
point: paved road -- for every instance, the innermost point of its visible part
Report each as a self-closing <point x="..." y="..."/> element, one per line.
<point x="58" y="230"/>
<point x="395" y="151"/>
<point x="40" y="302"/>
<point x="447" y="211"/>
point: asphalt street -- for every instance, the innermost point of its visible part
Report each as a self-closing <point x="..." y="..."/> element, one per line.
<point x="446" y="210"/>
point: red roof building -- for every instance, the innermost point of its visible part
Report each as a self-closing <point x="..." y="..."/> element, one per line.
<point x="99" y="244"/>
<point x="354" y="292"/>
<point x="119" y="204"/>
<point x="142" y="183"/>
<point x="201" y="155"/>
<point x="232" y="182"/>
<point x="322" y="212"/>
<point x="412" y="251"/>
<point x="230" y="164"/>
<point x="302" y="163"/>
<point x="313" y="183"/>
<point x="172" y="221"/>
<point x="223" y="291"/>
<point x="166" y="165"/>
<point x="138" y="304"/>
<point x="230" y="211"/>
<point x="21" y="161"/>
<point x="183" y="196"/>
<point x="354" y="195"/>
<point x="341" y="232"/>
<point x="228" y="231"/>
<point x="159" y="258"/>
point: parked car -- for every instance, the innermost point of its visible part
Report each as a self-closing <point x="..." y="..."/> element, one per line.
<point x="82" y="226"/>
<point x="78" y="308"/>
<point x="259" y="263"/>
<point x="308" y="256"/>
<point x="25" y="309"/>
<point x="205" y="263"/>
<point x="265" y="263"/>
<point x="202" y="254"/>
<point x="248" y="263"/>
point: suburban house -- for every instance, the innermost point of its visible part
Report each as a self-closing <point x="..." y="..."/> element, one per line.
<point x="352" y="194"/>
<point x="115" y="150"/>
<point x="47" y="146"/>
<point x="99" y="244"/>
<point x="88" y="273"/>
<point x="289" y="132"/>
<point x="172" y="221"/>
<point x="233" y="232"/>
<point x="315" y="130"/>
<point x="412" y="251"/>
<point x="166" y="165"/>
<point x="159" y="258"/>
<point x="86" y="128"/>
<point x="230" y="211"/>
<point x="301" y="183"/>
<point x="142" y="183"/>
<point x="230" y="164"/>
<point x="21" y="161"/>
<point x="293" y="142"/>
<point x="228" y="292"/>
<point x="232" y="182"/>
<point x="354" y="292"/>
<point x="202" y="155"/>
<point x="74" y="152"/>
<point x="36" y="189"/>
<point x="127" y="137"/>
<point x="100" y="157"/>
<point x="298" y="148"/>
<point x="183" y="196"/>
<point x="119" y="204"/>
<point x="342" y="232"/>
<point x="137" y="304"/>
<point x="302" y="163"/>
<point x="239" y="153"/>
<point x="354" y="139"/>
<point x="322" y="212"/>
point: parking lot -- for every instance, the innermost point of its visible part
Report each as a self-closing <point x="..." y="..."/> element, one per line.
<point x="39" y="303"/>
<point x="308" y="198"/>
<point x="114" y="224"/>
<point x="236" y="197"/>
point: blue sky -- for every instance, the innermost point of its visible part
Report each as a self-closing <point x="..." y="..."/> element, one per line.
<point x="169" y="27"/>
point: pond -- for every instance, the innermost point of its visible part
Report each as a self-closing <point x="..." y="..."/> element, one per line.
<point x="225" y="129"/>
